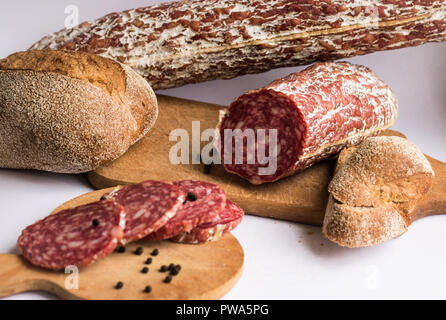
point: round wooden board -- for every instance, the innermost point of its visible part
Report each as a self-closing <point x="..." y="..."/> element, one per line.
<point x="208" y="271"/>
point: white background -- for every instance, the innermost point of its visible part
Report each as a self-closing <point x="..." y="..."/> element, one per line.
<point x="283" y="260"/>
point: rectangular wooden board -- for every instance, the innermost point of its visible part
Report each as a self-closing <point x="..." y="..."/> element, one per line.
<point x="301" y="198"/>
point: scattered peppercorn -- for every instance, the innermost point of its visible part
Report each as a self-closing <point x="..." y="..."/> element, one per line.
<point x="121" y="249"/>
<point x="174" y="272"/>
<point x="207" y="168"/>
<point x="148" y="261"/>
<point x="95" y="222"/>
<point x="168" y="279"/>
<point x="119" y="285"/>
<point x="192" y="196"/>
<point x="155" y="252"/>
<point x="171" y="266"/>
<point x="139" y="251"/>
<point x="164" y="268"/>
<point x="148" y="289"/>
<point x="145" y="270"/>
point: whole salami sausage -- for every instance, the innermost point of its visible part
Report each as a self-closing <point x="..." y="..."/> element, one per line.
<point x="227" y="221"/>
<point x="205" y="201"/>
<point x="176" y="43"/>
<point x="304" y="118"/>
<point x="149" y="206"/>
<point x="77" y="236"/>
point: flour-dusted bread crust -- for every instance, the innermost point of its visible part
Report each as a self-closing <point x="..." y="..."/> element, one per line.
<point x="70" y="112"/>
<point x="374" y="190"/>
<point x="353" y="227"/>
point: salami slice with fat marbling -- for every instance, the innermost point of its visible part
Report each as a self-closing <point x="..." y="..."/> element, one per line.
<point x="77" y="236"/>
<point x="227" y="221"/>
<point x="149" y="206"/>
<point x="205" y="201"/>
<point x="304" y="118"/>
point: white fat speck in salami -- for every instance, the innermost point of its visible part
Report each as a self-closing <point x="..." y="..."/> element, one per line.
<point x="227" y="221"/>
<point x="77" y="236"/>
<point x="149" y="206"/>
<point x="204" y="203"/>
<point x="315" y="112"/>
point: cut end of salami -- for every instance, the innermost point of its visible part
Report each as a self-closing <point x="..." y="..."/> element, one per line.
<point x="271" y="133"/>
<point x="77" y="236"/>
<point x="205" y="202"/>
<point x="149" y="206"/>
<point x="227" y="221"/>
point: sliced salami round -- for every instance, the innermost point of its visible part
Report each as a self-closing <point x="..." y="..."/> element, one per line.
<point x="77" y="236"/>
<point x="228" y="219"/>
<point x="271" y="133"/>
<point x="149" y="206"/>
<point x="205" y="201"/>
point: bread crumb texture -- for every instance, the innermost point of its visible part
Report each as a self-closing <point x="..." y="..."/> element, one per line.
<point x="70" y="112"/>
<point x="375" y="188"/>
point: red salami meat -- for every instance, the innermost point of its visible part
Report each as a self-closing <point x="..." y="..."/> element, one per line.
<point x="77" y="236"/>
<point x="227" y="220"/>
<point x="315" y="114"/>
<point x="149" y="206"/>
<point x="205" y="201"/>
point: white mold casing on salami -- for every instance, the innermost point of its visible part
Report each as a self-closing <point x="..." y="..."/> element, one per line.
<point x="177" y="43"/>
<point x="316" y="112"/>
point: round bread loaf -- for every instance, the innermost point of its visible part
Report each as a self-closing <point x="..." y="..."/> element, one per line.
<point x="70" y="112"/>
<point x="374" y="191"/>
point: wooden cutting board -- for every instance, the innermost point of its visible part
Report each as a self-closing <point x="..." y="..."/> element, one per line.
<point x="208" y="271"/>
<point x="300" y="198"/>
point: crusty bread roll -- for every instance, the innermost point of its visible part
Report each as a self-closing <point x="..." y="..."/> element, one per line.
<point x="70" y="112"/>
<point x="375" y="187"/>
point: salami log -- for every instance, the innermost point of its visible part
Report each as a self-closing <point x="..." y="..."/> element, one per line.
<point x="149" y="206"/>
<point x="177" y="43"/>
<point x="77" y="236"/>
<point x="227" y="221"/>
<point x="314" y="113"/>
<point x="205" y="201"/>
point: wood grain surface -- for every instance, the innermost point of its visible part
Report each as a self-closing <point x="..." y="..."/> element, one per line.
<point x="300" y="198"/>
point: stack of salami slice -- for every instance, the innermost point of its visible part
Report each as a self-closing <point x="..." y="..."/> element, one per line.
<point x="183" y="211"/>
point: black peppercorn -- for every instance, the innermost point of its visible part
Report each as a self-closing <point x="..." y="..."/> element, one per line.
<point x="207" y="168"/>
<point x="192" y="196"/>
<point x="121" y="250"/>
<point x="164" y="268"/>
<point x="173" y="272"/>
